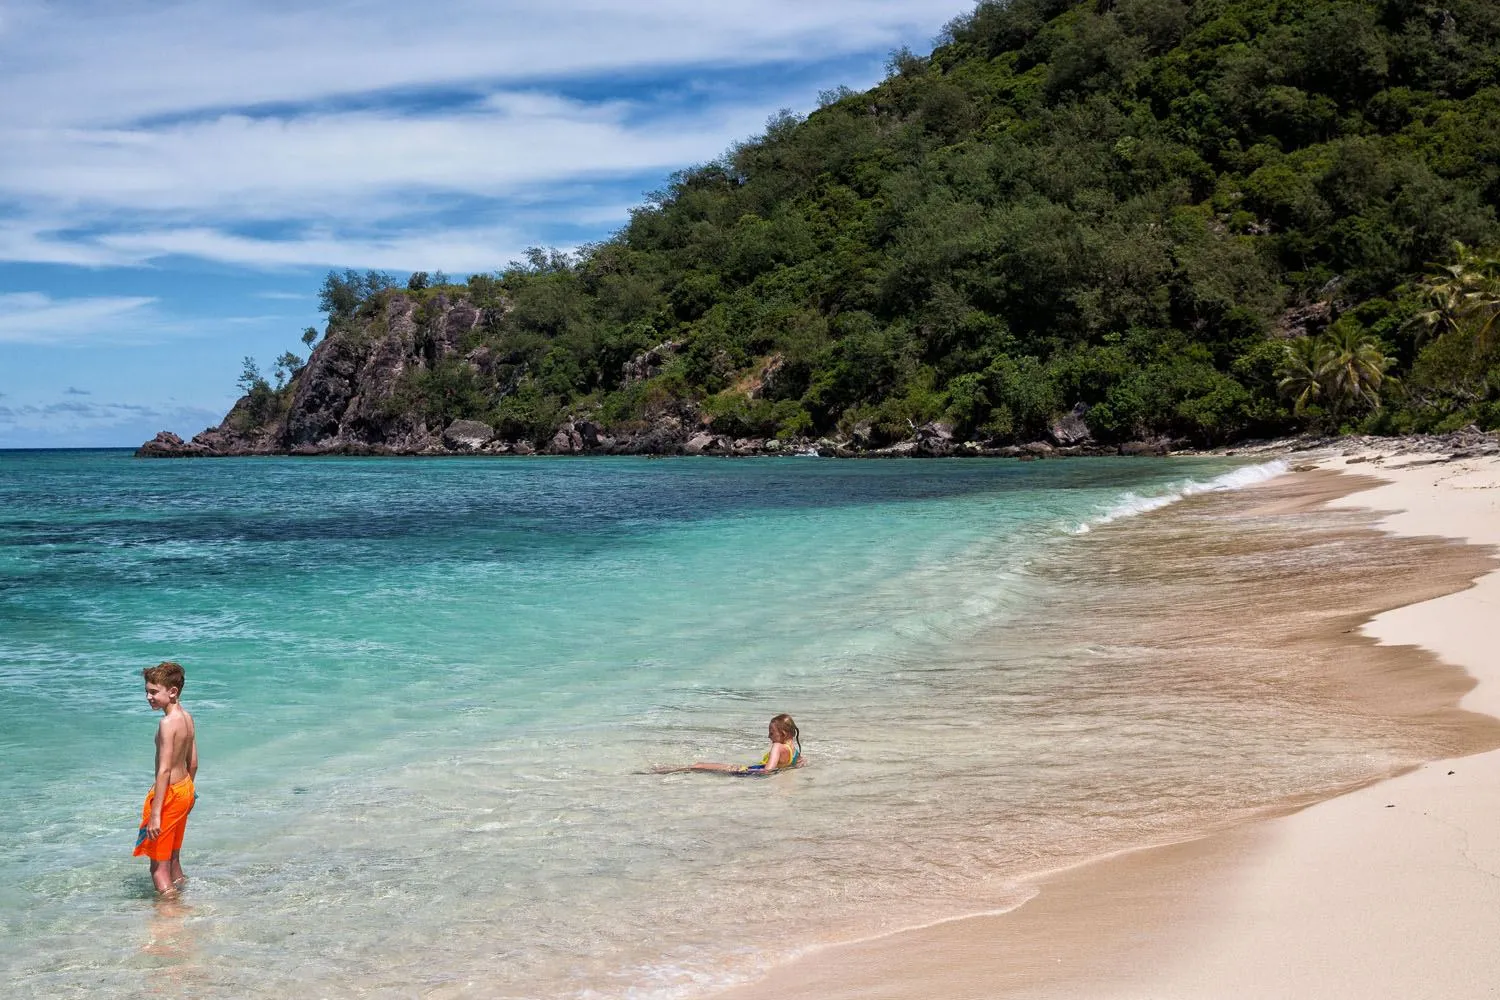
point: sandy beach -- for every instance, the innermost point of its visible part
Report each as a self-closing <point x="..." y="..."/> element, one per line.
<point x="1390" y="890"/>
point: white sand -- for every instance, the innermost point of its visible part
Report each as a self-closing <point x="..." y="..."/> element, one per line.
<point x="1393" y="890"/>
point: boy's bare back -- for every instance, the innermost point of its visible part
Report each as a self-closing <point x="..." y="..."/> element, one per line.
<point x="177" y="744"/>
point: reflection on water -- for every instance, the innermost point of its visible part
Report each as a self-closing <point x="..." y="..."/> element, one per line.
<point x="171" y="950"/>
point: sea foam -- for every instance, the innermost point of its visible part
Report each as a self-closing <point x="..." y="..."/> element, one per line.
<point x="1131" y="503"/>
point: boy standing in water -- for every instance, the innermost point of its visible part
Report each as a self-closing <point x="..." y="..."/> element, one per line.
<point x="164" y="817"/>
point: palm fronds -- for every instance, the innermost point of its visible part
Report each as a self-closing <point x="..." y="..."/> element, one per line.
<point x="1345" y="369"/>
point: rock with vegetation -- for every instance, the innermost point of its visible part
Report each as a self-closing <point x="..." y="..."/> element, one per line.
<point x="1162" y="220"/>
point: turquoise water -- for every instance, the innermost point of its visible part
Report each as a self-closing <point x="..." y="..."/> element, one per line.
<point x="428" y="692"/>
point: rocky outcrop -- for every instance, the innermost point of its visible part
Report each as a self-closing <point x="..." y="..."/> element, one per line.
<point x="709" y="443"/>
<point x="1158" y="447"/>
<point x="345" y="400"/>
<point x="1303" y="320"/>
<point x="467" y="435"/>
<point x="1070" y="429"/>
<point x="575" y="437"/>
<point x="934" y="439"/>
<point x="169" y="445"/>
<point x="648" y="364"/>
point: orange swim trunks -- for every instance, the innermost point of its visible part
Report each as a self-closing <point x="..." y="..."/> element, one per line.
<point x="174" y="815"/>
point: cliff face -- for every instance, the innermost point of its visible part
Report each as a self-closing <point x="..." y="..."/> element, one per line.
<point x="347" y="400"/>
<point x="344" y="400"/>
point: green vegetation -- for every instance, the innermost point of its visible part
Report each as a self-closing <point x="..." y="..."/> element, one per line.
<point x="1206" y="220"/>
<point x="1344" y="368"/>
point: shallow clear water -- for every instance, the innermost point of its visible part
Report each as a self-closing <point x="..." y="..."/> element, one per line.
<point x="428" y="693"/>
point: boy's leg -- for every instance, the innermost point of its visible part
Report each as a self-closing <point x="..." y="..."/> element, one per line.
<point x="160" y="876"/>
<point x="175" y="867"/>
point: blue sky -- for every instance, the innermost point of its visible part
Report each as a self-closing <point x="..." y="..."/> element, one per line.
<point x="178" y="176"/>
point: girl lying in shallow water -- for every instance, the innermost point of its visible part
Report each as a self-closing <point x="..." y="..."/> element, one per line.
<point x="785" y="752"/>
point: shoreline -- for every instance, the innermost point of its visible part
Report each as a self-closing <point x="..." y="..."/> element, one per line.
<point x="933" y="444"/>
<point x="1311" y="899"/>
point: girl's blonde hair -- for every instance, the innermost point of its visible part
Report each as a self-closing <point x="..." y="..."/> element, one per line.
<point x="784" y="725"/>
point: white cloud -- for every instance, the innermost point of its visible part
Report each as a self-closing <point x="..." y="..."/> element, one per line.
<point x="336" y="164"/>
<point x="107" y="62"/>
<point x="32" y="317"/>
<point x="461" y="251"/>
<point x="351" y="133"/>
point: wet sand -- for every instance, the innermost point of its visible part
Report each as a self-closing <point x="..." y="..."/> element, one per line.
<point x="1392" y="889"/>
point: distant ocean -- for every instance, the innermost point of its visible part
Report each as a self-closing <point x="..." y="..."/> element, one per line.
<point x="428" y="692"/>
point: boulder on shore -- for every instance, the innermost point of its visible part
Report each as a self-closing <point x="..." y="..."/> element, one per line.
<point x="574" y="437"/>
<point x="467" y="435"/>
<point x="1070" y="429"/>
<point x="1144" y="448"/>
<point x="934" y="438"/>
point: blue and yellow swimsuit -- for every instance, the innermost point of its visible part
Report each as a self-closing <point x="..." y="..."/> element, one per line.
<point x="766" y="760"/>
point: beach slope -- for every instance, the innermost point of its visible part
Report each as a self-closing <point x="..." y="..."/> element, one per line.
<point x="1391" y="890"/>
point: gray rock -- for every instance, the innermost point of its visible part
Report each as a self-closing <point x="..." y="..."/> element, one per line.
<point x="766" y="386"/>
<point x="467" y="435"/>
<point x="567" y="441"/>
<point x="649" y="363"/>
<point x="698" y="443"/>
<point x="934" y="438"/>
<point x="1143" y="448"/>
<point x="1070" y="429"/>
<point x="169" y="445"/>
<point x="588" y="433"/>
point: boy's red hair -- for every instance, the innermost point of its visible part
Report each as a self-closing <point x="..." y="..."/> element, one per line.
<point x="167" y="674"/>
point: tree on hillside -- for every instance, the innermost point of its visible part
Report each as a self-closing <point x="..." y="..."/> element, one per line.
<point x="287" y="365"/>
<point x="342" y="294"/>
<point x="250" y="376"/>
<point x="1464" y="291"/>
<point x="1343" y="369"/>
<point x="1354" y="364"/>
<point x="1300" y="376"/>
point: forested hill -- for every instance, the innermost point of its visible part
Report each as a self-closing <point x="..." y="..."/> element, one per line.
<point x="1196" y="220"/>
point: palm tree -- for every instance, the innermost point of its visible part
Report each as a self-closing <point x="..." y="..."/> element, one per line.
<point x="1446" y="307"/>
<point x="1345" y="367"/>
<point x="1484" y="298"/>
<point x="1352" y="366"/>
<point x="1460" y="293"/>
<point x="1299" y="375"/>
